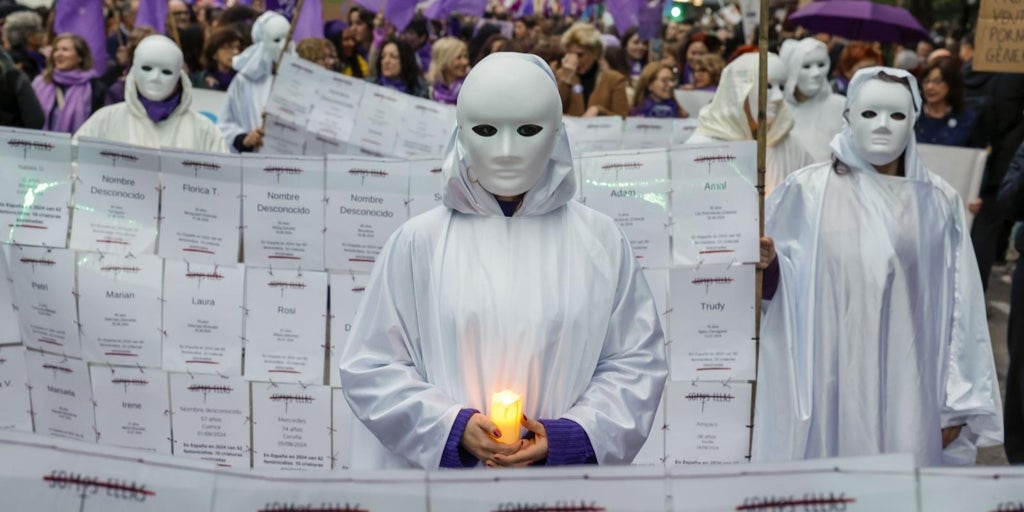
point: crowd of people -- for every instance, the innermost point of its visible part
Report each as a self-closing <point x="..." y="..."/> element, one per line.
<point x="47" y="81"/>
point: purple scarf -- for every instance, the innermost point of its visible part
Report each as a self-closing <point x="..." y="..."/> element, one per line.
<point x="394" y="83"/>
<point x="77" y="99"/>
<point x="160" y="110"/>
<point x="447" y="94"/>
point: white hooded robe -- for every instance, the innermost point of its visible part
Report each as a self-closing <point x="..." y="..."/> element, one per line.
<point x="128" y="122"/>
<point x="724" y="119"/>
<point x="819" y="118"/>
<point x="877" y="337"/>
<point x="464" y="302"/>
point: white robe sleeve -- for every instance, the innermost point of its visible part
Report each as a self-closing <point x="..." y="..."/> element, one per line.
<point x="231" y="120"/>
<point x="971" y="387"/>
<point x="380" y="365"/>
<point x="617" y="408"/>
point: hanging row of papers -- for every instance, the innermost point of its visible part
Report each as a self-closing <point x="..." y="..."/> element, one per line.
<point x="122" y="285"/>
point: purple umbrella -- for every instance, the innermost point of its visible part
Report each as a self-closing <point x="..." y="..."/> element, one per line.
<point x="861" y="20"/>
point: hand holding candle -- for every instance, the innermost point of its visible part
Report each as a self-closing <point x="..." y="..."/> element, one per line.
<point x="506" y="413"/>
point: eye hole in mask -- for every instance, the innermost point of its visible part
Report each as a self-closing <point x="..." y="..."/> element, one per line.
<point x="529" y="130"/>
<point x="485" y="130"/>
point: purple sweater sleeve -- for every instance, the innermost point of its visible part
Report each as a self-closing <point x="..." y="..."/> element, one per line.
<point x="454" y="455"/>
<point x="770" y="280"/>
<point x="568" y="443"/>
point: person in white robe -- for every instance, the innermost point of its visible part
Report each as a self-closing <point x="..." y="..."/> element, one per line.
<point x="509" y="285"/>
<point x="156" y="111"/>
<point x="817" y="111"/>
<point x="876" y="339"/>
<point x="731" y="116"/>
<point x="241" y="119"/>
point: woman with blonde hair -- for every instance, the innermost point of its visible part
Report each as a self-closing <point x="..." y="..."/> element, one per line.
<point x="69" y="90"/>
<point x="318" y="51"/>
<point x="587" y="88"/>
<point x="449" y="65"/>
<point x="654" y="96"/>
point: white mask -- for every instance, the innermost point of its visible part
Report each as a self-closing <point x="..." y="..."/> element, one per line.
<point x="509" y="116"/>
<point x="776" y="79"/>
<point x="156" y="67"/>
<point x="811" y="77"/>
<point x="274" y="36"/>
<point x="881" y="119"/>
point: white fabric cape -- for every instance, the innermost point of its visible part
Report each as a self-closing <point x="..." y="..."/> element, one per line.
<point x="464" y="302"/>
<point x="724" y="119"/>
<point x="250" y="89"/>
<point x="819" y="118"/>
<point x="127" y="122"/>
<point x="877" y="337"/>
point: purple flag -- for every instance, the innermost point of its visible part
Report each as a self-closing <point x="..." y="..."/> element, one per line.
<point x="649" y="21"/>
<point x="371" y="5"/>
<point x="84" y="18"/>
<point x="527" y="8"/>
<point x="311" y="18"/>
<point x="441" y="9"/>
<point x="399" y="12"/>
<point x="624" y="12"/>
<point x="152" y="13"/>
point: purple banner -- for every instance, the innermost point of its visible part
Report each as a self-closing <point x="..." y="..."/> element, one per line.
<point x="153" y="14"/>
<point x="84" y="18"/>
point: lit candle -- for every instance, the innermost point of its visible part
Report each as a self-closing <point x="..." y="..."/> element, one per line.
<point x="506" y="413"/>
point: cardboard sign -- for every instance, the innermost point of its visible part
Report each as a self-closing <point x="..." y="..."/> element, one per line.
<point x="999" y="43"/>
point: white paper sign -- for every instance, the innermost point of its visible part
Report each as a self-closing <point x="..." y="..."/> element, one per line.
<point x="281" y="137"/>
<point x="61" y="396"/>
<point x="132" y="408"/>
<point x="319" y="145"/>
<point x="367" y="202"/>
<point x="119" y="303"/>
<point x="346" y="295"/>
<point x="379" y="120"/>
<point x="337" y="102"/>
<point x="201" y="206"/>
<point x="593" y="133"/>
<point x="692" y="101"/>
<point x="426" y="181"/>
<point x="876" y="483"/>
<point x="293" y="426"/>
<point x="707" y="423"/>
<point x="714" y="203"/>
<point x="68" y="476"/>
<point x="43" y="281"/>
<point x="682" y="129"/>
<point x="15" y="409"/>
<point x="647" y="133"/>
<point x="632" y="188"/>
<point x="284" y="211"/>
<point x="341" y="427"/>
<point x="712" y="323"/>
<point x="295" y="87"/>
<point x="961" y="167"/>
<point x="426" y="127"/>
<point x="9" y="332"/>
<point x="371" y="491"/>
<point x="116" y="198"/>
<point x="211" y="418"/>
<point x="981" y="489"/>
<point x="203" y="318"/>
<point x="560" y="489"/>
<point x="35" y="170"/>
<point x="285" y="325"/>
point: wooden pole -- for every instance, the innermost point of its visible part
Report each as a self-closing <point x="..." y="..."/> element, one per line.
<point x="762" y="147"/>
